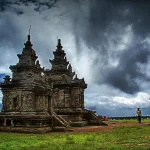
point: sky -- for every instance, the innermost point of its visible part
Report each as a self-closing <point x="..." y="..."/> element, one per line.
<point x="106" y="41"/>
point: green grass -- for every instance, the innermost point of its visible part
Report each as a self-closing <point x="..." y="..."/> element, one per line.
<point x="122" y="138"/>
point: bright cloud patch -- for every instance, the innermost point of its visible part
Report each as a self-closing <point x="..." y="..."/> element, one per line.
<point x="117" y="105"/>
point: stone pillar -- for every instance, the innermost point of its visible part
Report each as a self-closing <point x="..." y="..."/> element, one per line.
<point x="41" y="124"/>
<point x="4" y="122"/>
<point x="50" y="105"/>
<point x="12" y="123"/>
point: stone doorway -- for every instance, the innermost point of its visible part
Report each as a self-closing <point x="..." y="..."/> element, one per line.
<point x="8" y="122"/>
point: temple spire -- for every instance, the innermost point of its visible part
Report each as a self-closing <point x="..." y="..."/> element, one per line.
<point x="59" y="41"/>
<point x="28" y="43"/>
<point x="29" y="34"/>
<point x="29" y="38"/>
<point x="59" y="47"/>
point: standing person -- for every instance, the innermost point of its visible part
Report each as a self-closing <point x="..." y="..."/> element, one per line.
<point x="138" y="113"/>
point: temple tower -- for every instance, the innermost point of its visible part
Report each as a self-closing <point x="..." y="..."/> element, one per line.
<point x="68" y="91"/>
<point x="27" y="78"/>
<point x="27" y="96"/>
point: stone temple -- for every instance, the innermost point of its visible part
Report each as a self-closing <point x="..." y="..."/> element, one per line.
<point x="39" y="100"/>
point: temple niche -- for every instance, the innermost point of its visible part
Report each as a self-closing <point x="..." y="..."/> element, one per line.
<point x="39" y="100"/>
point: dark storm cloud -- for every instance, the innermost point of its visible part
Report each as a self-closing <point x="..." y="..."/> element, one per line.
<point x="125" y="74"/>
<point x="11" y="38"/>
<point x="9" y="31"/>
<point x="39" y="4"/>
<point x="107" y="19"/>
<point x="104" y="15"/>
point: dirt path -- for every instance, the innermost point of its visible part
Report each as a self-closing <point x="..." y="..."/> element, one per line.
<point x="110" y="126"/>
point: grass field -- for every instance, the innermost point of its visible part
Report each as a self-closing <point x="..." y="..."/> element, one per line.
<point x="120" y="138"/>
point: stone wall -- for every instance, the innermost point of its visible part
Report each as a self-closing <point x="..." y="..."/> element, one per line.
<point x="41" y="103"/>
<point x="18" y="100"/>
<point x="27" y="99"/>
<point x="12" y="100"/>
<point x="77" y="97"/>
